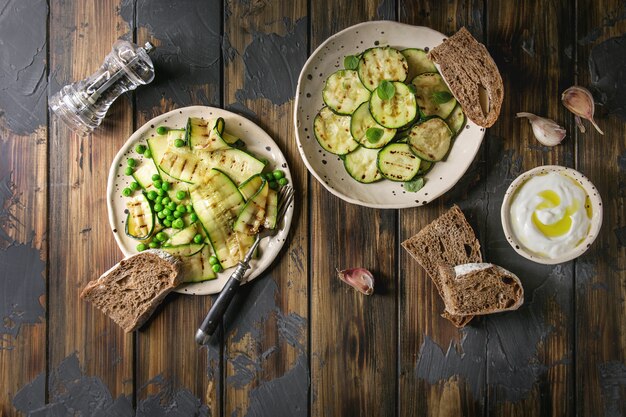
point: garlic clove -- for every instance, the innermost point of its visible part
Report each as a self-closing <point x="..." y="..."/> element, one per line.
<point x="546" y="131"/>
<point x="579" y="101"/>
<point x="359" y="278"/>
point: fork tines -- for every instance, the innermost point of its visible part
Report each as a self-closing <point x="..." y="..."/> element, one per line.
<point x="285" y="198"/>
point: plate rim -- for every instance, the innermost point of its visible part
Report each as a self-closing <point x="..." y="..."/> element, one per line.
<point x="299" y="141"/>
<point x="187" y="288"/>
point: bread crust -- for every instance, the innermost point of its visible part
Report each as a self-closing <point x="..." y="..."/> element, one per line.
<point x="467" y="66"/>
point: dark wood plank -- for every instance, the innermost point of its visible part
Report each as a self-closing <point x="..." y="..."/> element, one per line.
<point x="353" y="337"/>
<point x="83" y="246"/>
<point x="601" y="272"/>
<point x="266" y="349"/>
<point x="529" y="368"/>
<point x="432" y="380"/>
<point x="188" y="65"/>
<point x="23" y="193"/>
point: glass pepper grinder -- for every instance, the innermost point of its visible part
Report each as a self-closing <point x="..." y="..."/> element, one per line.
<point x="83" y="104"/>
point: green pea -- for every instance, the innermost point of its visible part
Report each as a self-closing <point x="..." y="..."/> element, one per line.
<point x="158" y="207"/>
<point x="160" y="215"/>
<point x="282" y="182"/>
<point x="181" y="209"/>
<point x="134" y="185"/>
<point x="181" y="195"/>
<point x="193" y="217"/>
<point x="126" y="192"/>
<point x="148" y="153"/>
<point x="189" y="208"/>
<point x="198" y="238"/>
<point x="161" y="236"/>
<point x="166" y="211"/>
<point x="131" y="162"/>
<point x="269" y="176"/>
<point x="213" y="260"/>
<point x="278" y="174"/>
<point x="158" y="199"/>
<point x="129" y="171"/>
<point x="170" y="217"/>
<point x="179" y="143"/>
<point x="166" y="200"/>
<point x="156" y="177"/>
<point x="178" y="223"/>
<point x="167" y="223"/>
<point x="153" y="244"/>
<point x="161" y="192"/>
<point x="273" y="185"/>
<point x="157" y="183"/>
<point x="141" y="247"/>
<point x="177" y="214"/>
<point x="216" y="268"/>
<point x="162" y="130"/>
<point x="140" y="149"/>
<point x="165" y="186"/>
<point x="151" y="195"/>
<point x="171" y="205"/>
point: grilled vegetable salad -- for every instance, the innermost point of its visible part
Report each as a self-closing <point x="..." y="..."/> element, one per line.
<point x="388" y="114"/>
<point x="198" y="195"/>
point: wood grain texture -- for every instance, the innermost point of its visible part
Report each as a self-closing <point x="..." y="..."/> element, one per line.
<point x="266" y="349"/>
<point x="353" y="336"/>
<point x="601" y="272"/>
<point x="82" y="245"/>
<point x="187" y="65"/>
<point x="532" y="56"/>
<point x="421" y="325"/>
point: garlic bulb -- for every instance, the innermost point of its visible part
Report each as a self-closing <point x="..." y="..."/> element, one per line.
<point x="579" y="101"/>
<point x="359" y="278"/>
<point x="546" y="131"/>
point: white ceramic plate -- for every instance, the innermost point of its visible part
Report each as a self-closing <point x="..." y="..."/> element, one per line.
<point x="596" y="218"/>
<point x="256" y="140"/>
<point x="328" y="168"/>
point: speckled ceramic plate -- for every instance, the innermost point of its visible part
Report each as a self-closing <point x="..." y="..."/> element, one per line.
<point x="257" y="141"/>
<point x="328" y="168"/>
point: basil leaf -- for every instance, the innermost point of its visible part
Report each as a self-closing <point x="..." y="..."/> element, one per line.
<point x="414" y="185"/>
<point x="412" y="88"/>
<point x="373" y="134"/>
<point x="386" y="90"/>
<point x="351" y="62"/>
<point x="440" y="97"/>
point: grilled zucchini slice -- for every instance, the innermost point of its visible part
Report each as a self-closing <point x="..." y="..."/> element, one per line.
<point x="252" y="215"/>
<point x="239" y="165"/>
<point x="332" y="131"/>
<point x="207" y="135"/>
<point x="271" y="209"/>
<point x="428" y="85"/>
<point x="182" y="166"/>
<point x="431" y="139"/>
<point x="456" y="120"/>
<point x="183" y="237"/>
<point x="381" y="63"/>
<point x="184" y="250"/>
<point x="361" y="121"/>
<point x="418" y="62"/>
<point x="396" y="112"/>
<point x="344" y="92"/>
<point x="361" y="165"/>
<point x="140" y="218"/>
<point x="396" y="162"/>
<point x="249" y="187"/>
<point x="196" y="268"/>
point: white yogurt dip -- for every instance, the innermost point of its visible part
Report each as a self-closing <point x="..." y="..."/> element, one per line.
<point x="550" y="214"/>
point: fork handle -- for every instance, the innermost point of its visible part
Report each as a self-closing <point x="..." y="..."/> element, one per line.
<point x="218" y="309"/>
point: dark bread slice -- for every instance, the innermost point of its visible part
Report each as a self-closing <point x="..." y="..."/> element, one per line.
<point x="479" y="288"/>
<point x="471" y="72"/>
<point x="131" y="290"/>
<point x="449" y="239"/>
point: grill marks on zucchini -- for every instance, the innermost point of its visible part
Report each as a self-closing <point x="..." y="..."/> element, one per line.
<point x="431" y="139"/>
<point x="361" y="165"/>
<point x="207" y="135"/>
<point x="252" y="215"/>
<point x="140" y="218"/>
<point x="396" y="112"/>
<point x="237" y="164"/>
<point x="418" y="62"/>
<point x="344" y="92"/>
<point x="332" y="131"/>
<point x="363" y="120"/>
<point x="396" y="162"/>
<point x="182" y="166"/>
<point x="383" y="63"/>
<point x="271" y="211"/>
<point x="427" y="85"/>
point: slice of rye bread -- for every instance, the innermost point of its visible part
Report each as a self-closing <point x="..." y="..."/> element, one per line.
<point x="131" y="290"/>
<point x="449" y="239"/>
<point x="471" y="72"/>
<point x="479" y="288"/>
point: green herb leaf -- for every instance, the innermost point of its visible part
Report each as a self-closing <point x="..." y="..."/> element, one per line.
<point x="351" y="62"/>
<point x="414" y="185"/>
<point x="386" y="90"/>
<point x="412" y="88"/>
<point x="441" y="97"/>
<point x="373" y="134"/>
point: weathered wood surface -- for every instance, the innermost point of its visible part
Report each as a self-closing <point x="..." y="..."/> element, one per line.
<point x="298" y="341"/>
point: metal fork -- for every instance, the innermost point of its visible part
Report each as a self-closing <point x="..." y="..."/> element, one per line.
<point x="213" y="318"/>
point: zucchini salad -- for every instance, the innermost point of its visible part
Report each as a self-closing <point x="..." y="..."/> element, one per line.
<point x="200" y="195"/>
<point x="388" y="115"/>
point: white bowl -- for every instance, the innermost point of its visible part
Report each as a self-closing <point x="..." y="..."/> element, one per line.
<point x="596" y="218"/>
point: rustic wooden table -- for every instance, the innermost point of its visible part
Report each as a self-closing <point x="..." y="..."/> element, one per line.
<point x="299" y="342"/>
